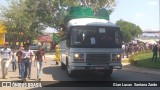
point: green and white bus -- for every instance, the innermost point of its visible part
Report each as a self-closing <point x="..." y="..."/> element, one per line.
<point x="91" y="44"/>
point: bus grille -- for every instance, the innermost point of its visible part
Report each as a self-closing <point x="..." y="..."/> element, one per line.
<point x="97" y="59"/>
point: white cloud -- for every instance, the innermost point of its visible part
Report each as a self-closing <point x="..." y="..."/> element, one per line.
<point x="140" y="14"/>
<point x="152" y="3"/>
<point x="139" y="19"/>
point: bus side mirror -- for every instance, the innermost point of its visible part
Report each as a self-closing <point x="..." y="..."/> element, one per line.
<point x="63" y="27"/>
<point x="121" y="37"/>
<point x="68" y="40"/>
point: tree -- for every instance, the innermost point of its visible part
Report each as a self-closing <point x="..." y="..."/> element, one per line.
<point x="2" y="31"/>
<point x="25" y="18"/>
<point x="21" y="22"/>
<point x="97" y="4"/>
<point x="2" y="28"/>
<point x="51" y="12"/>
<point x="13" y="17"/>
<point x="129" y="30"/>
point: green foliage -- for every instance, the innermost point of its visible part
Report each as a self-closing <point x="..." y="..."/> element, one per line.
<point x="55" y="38"/>
<point x="131" y="58"/>
<point x="25" y="18"/>
<point x="144" y="60"/>
<point x="97" y="4"/>
<point x="103" y="13"/>
<point x="21" y="22"/>
<point x="129" y="30"/>
<point x="52" y="12"/>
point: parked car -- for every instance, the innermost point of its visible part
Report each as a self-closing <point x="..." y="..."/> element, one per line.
<point x="34" y="49"/>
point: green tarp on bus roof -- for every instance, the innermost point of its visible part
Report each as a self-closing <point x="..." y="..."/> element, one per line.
<point x="85" y="12"/>
<point x="80" y="11"/>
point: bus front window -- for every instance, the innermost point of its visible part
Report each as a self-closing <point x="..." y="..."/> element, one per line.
<point x="97" y="36"/>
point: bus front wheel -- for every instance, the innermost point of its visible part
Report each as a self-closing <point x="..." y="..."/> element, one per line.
<point x="108" y="72"/>
<point x="63" y="66"/>
<point x="71" y="73"/>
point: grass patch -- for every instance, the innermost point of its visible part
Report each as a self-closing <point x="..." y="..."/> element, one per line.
<point x="144" y="60"/>
<point x="125" y="60"/>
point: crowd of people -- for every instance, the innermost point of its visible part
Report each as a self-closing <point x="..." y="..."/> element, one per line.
<point x="24" y="56"/>
<point x="131" y="48"/>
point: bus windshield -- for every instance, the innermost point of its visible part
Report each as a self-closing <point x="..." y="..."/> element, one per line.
<point x="95" y="36"/>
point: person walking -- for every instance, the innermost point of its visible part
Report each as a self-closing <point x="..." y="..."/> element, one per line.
<point x="123" y="50"/>
<point x="19" y="57"/>
<point x="5" y="60"/>
<point x="30" y="65"/>
<point x="26" y="59"/>
<point x="155" y="52"/>
<point x="159" y="50"/>
<point x="39" y="57"/>
<point x="57" y="59"/>
<point x="14" y="61"/>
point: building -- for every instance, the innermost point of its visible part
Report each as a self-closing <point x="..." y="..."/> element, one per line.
<point x="150" y="36"/>
<point x="46" y="38"/>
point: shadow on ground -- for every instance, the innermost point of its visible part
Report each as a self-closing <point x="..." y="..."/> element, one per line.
<point x="83" y="79"/>
<point x="62" y="75"/>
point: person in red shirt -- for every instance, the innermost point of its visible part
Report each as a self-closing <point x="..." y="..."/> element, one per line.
<point x="19" y="56"/>
<point x="39" y="57"/>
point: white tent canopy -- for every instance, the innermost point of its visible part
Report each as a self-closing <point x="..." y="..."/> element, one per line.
<point x="49" y="30"/>
<point x="150" y="41"/>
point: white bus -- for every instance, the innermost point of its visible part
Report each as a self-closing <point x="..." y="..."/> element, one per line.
<point x="91" y="44"/>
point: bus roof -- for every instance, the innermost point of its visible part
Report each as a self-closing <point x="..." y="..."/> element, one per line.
<point x="90" y="22"/>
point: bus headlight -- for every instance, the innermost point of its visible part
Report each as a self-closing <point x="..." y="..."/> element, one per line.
<point x="116" y="57"/>
<point x="78" y="57"/>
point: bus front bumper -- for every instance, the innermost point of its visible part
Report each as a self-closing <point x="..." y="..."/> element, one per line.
<point x="95" y="67"/>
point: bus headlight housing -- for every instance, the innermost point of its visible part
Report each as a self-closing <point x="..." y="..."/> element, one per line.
<point x="116" y="57"/>
<point x="78" y="57"/>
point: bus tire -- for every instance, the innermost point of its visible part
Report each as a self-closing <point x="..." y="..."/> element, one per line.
<point x="67" y="61"/>
<point x="71" y="73"/>
<point x="63" y="65"/>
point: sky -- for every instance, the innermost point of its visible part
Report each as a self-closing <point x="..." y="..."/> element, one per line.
<point x="144" y="13"/>
<point x="3" y="2"/>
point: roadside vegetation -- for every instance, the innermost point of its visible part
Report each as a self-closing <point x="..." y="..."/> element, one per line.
<point x="24" y="19"/>
<point x="144" y="60"/>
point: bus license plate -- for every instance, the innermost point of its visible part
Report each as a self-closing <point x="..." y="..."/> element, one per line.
<point x="99" y="68"/>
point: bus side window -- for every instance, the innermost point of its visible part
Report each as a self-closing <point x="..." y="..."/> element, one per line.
<point x="117" y="37"/>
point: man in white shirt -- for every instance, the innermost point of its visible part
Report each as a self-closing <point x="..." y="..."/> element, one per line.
<point x="14" y="60"/>
<point x="123" y="50"/>
<point x="5" y="60"/>
<point x="26" y="59"/>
